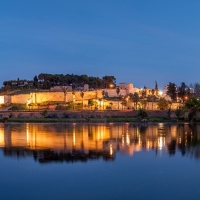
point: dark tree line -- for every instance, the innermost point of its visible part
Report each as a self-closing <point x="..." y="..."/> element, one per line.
<point x="46" y="81"/>
<point x="182" y="92"/>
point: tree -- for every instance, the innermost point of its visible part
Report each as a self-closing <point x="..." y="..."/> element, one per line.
<point x="124" y="103"/>
<point x="118" y="91"/>
<point x="82" y="95"/>
<point x="151" y="98"/>
<point x="193" y="105"/>
<point x="91" y="103"/>
<point x="144" y="92"/>
<point x="179" y="112"/>
<point x="143" y="103"/>
<point x="156" y="88"/>
<point x="73" y="97"/>
<point x="35" y="81"/>
<point x="135" y="98"/>
<point x="142" y="113"/>
<point x="172" y="91"/>
<point x="183" y="91"/>
<point x="65" y="93"/>
<point x="103" y="95"/>
<point x="111" y="104"/>
<point x="108" y="80"/>
<point x="163" y="104"/>
<point x="196" y="87"/>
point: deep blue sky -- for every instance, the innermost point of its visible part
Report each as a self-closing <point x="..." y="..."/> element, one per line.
<point x="138" y="41"/>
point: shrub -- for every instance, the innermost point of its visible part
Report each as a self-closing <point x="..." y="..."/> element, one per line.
<point x="52" y="115"/>
<point x="60" y="107"/>
<point x="19" y="107"/>
<point x="163" y="104"/>
<point x="65" y="115"/>
<point x="179" y="112"/>
<point x="44" y="113"/>
<point x="142" y="113"/>
<point x="108" y="108"/>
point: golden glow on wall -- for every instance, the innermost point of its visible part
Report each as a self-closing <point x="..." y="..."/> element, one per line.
<point x="1" y="99"/>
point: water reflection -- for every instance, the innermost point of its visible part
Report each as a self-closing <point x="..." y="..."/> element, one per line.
<point x="76" y="142"/>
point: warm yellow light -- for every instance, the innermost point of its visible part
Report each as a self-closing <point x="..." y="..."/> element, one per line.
<point x="27" y="134"/>
<point x="127" y="139"/>
<point x="161" y="142"/>
<point x="122" y="139"/>
<point x="1" y="99"/>
<point x="1" y="137"/>
<point x="111" y="150"/>
<point x="160" y="92"/>
<point x="100" y="103"/>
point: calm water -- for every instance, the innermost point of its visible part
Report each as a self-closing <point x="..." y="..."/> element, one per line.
<point x="108" y="161"/>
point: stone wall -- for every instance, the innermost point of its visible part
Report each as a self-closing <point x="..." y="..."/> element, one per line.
<point x="20" y="98"/>
<point x="113" y="93"/>
<point x="5" y="99"/>
<point x="129" y="89"/>
<point x="39" y="97"/>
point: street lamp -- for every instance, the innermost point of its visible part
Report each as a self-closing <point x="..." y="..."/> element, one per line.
<point x="111" y="85"/>
<point x="186" y="98"/>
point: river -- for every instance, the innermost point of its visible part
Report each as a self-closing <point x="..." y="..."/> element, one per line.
<point x="99" y="161"/>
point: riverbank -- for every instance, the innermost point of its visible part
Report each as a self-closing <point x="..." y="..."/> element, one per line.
<point x="87" y="116"/>
<point x="93" y="120"/>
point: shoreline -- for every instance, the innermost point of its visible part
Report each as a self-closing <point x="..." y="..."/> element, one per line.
<point x="95" y="120"/>
<point x="90" y="117"/>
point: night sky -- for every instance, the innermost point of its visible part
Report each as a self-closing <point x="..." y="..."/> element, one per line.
<point x="138" y="41"/>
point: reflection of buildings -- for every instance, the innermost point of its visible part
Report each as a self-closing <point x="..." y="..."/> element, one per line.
<point x="61" y="142"/>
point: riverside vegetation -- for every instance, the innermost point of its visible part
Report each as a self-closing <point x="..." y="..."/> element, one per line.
<point x="187" y="113"/>
<point x="190" y="112"/>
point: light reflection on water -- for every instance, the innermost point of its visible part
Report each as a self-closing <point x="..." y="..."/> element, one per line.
<point x="80" y="142"/>
<point x="67" y="161"/>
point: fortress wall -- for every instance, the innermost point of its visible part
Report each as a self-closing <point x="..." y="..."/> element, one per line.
<point x="40" y="97"/>
<point x="123" y="92"/>
<point x="20" y="98"/>
<point x="129" y="88"/>
<point x="59" y="96"/>
<point x="95" y="94"/>
<point x="7" y="99"/>
<point x="47" y="96"/>
<point x="133" y="90"/>
<point x="113" y="93"/>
